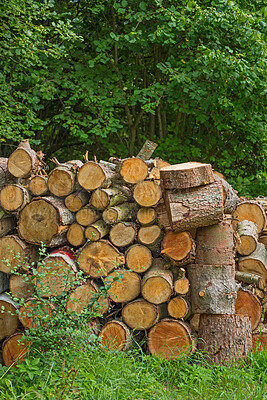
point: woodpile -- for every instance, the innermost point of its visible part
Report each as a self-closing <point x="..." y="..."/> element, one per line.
<point x="177" y="251"/>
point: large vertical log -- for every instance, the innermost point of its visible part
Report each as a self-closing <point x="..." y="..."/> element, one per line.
<point x="225" y="338"/>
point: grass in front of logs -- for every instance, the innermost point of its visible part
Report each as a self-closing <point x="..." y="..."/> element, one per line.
<point x="93" y="374"/>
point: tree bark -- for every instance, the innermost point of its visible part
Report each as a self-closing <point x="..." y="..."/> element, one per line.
<point x="147" y="150"/>
<point x="250" y="279"/>
<point x="5" y="175"/>
<point x="4" y="282"/>
<point x="7" y="223"/>
<point x="230" y="198"/>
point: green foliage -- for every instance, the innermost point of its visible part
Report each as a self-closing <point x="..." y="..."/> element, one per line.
<point x="104" y="76"/>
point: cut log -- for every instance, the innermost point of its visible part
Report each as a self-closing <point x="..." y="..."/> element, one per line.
<point x="251" y="211"/>
<point x="103" y="198"/>
<point x="123" y="285"/>
<point x="179" y="307"/>
<point x="61" y="181"/>
<point x="4" y="282"/>
<point x="87" y="216"/>
<point x="97" y="259"/>
<point x="138" y="258"/>
<point x="13" y="198"/>
<point x="178" y="247"/>
<point x="7" y="223"/>
<point x="230" y="198"/>
<point x="23" y="160"/>
<point x="36" y="313"/>
<point x="56" y="274"/>
<point x="147" y="150"/>
<point x="97" y="230"/>
<point x="250" y="279"/>
<point x="259" y="340"/>
<point x="262" y="239"/>
<point x="224" y="338"/>
<point x="147" y="193"/>
<point x="75" y="201"/>
<point x="146" y="216"/>
<point x="215" y="244"/>
<point x="15" y="253"/>
<point x="92" y="175"/>
<point x="8" y="316"/>
<point x="186" y="175"/>
<point x="255" y="263"/>
<point x="133" y="170"/>
<point x="150" y="236"/>
<point x="170" y="339"/>
<point x="157" y="285"/>
<point x="194" y="207"/>
<point x="86" y="296"/>
<point x="247" y="237"/>
<point x="213" y="288"/>
<point x="14" y="350"/>
<point x="115" y="335"/>
<point x="76" y="235"/>
<point x="141" y="315"/>
<point x="5" y="176"/>
<point x="38" y="185"/>
<point x="123" y="233"/>
<point x="45" y="220"/>
<point x="21" y="286"/>
<point x="248" y="304"/>
<point x="180" y="282"/>
<point x="123" y="212"/>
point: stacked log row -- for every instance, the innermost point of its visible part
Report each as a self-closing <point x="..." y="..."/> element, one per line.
<point x="128" y="230"/>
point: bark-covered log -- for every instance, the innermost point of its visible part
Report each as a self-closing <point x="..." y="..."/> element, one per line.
<point x="36" y="313"/>
<point x="93" y="175"/>
<point x="213" y="288"/>
<point x="75" y="201"/>
<point x="56" y="274"/>
<point x="45" y="220"/>
<point x="170" y="339"/>
<point x="186" y="175"/>
<point x="224" y="338"/>
<point x="147" y="193"/>
<point x="147" y="150"/>
<point x="115" y="335"/>
<point x="178" y="247"/>
<point x="157" y="285"/>
<point x="21" y="286"/>
<point x="215" y="244"/>
<point x="114" y="196"/>
<point x="123" y="233"/>
<point x="38" y="185"/>
<point x="138" y="258"/>
<point x="230" y="198"/>
<point x="23" y="160"/>
<point x="256" y="262"/>
<point x="97" y="259"/>
<point x="248" y="304"/>
<point x="14" y="350"/>
<point x="5" y="176"/>
<point x="251" y="211"/>
<point x="8" y="318"/>
<point x="146" y="216"/>
<point x="123" y="285"/>
<point x="87" y="216"/>
<point x="247" y="237"/>
<point x="123" y="212"/>
<point x="15" y="253"/>
<point x="97" y="230"/>
<point x="179" y="307"/>
<point x="194" y="207"/>
<point x="250" y="279"/>
<point x="13" y="198"/>
<point x="76" y="235"/>
<point x="133" y="170"/>
<point x="85" y="296"/>
<point x="141" y="315"/>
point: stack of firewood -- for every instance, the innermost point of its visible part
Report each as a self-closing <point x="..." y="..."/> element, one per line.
<point x="137" y="225"/>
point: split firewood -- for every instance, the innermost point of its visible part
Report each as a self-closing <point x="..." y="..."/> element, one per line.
<point x="97" y="259"/>
<point x="247" y="237"/>
<point x="113" y="196"/>
<point x="76" y="235"/>
<point x="154" y="173"/>
<point x="115" y="335"/>
<point x="97" y="230"/>
<point x="38" y="185"/>
<point x="251" y="211"/>
<point x="8" y="316"/>
<point x="123" y="233"/>
<point x="157" y="285"/>
<point x="123" y="285"/>
<point x="75" y="201"/>
<point x="256" y="262"/>
<point x="14" y="350"/>
<point x="146" y="216"/>
<point x="87" y="216"/>
<point x="186" y="175"/>
<point x="178" y="247"/>
<point x="170" y="339"/>
<point x="93" y="175"/>
<point x="179" y="307"/>
<point x="248" y="304"/>
<point x="13" y="198"/>
<point x="138" y="258"/>
<point x="139" y="314"/>
<point x="23" y="161"/>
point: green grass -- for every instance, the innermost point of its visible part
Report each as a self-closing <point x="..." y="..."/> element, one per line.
<point x="93" y="374"/>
